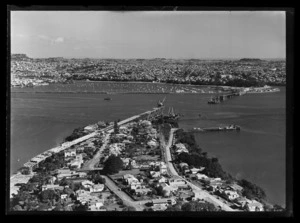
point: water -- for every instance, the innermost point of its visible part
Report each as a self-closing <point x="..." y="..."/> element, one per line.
<point x="257" y="153"/>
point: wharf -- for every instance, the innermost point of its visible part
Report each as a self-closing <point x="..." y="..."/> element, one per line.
<point x="220" y="98"/>
<point x="217" y="129"/>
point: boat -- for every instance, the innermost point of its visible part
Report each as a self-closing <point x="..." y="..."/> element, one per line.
<point x="107" y="99"/>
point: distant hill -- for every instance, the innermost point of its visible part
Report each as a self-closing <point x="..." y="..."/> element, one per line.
<point x="19" y="56"/>
<point x="250" y="60"/>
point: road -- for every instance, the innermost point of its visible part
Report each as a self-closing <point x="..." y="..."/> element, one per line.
<point x="122" y="195"/>
<point x="167" y="153"/>
<point x="206" y="196"/>
<point x="90" y="165"/>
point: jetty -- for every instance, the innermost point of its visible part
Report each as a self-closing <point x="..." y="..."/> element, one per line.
<point x="220" y="98"/>
<point x="217" y="129"/>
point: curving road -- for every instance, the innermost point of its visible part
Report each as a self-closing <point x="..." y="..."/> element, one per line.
<point x="206" y="196"/>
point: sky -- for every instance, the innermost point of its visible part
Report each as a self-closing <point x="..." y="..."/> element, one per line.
<point x="149" y="34"/>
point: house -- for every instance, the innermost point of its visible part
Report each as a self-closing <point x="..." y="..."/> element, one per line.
<point x="161" y="179"/>
<point x="87" y="198"/>
<point x="129" y="179"/>
<point x="176" y="181"/>
<point x="63" y="196"/>
<point x="195" y="170"/>
<point x="52" y="180"/>
<point x="77" y="162"/>
<point x="199" y="194"/>
<point x="52" y="187"/>
<point x="254" y="206"/>
<point x="180" y="148"/>
<point x="153" y="144"/>
<point x="67" y="173"/>
<point x="185" y="194"/>
<point x="242" y="201"/>
<point x="87" y="184"/>
<point x="154" y="174"/>
<point x="167" y="189"/>
<point x="231" y="195"/>
<point x="166" y="201"/>
<point x="95" y="206"/>
<point x="142" y="191"/>
<point x="144" y="167"/>
<point x="135" y="185"/>
<point x="70" y="153"/>
<point x="236" y="187"/>
<point x="97" y="188"/>
<point x="200" y="176"/>
<point x="183" y="166"/>
<point x="91" y="128"/>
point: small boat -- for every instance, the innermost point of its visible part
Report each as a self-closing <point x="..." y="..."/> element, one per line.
<point x="107" y="99"/>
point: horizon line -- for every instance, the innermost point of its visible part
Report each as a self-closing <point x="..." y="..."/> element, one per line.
<point x="138" y="58"/>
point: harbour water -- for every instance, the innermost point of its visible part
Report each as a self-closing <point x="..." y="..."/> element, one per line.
<point x="40" y="121"/>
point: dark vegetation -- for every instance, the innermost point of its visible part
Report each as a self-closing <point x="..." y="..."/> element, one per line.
<point x="95" y="177"/>
<point x="251" y="191"/>
<point x="77" y="133"/>
<point x="112" y="165"/>
<point x="193" y="206"/>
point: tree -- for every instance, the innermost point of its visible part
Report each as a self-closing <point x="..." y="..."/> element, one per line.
<point x="18" y="208"/>
<point x="98" y="179"/>
<point x="198" y="206"/>
<point x="47" y="195"/>
<point x="173" y="208"/>
<point x="112" y="165"/>
<point x="129" y="208"/>
<point x="250" y="190"/>
<point x="25" y="170"/>
<point x="116" y="127"/>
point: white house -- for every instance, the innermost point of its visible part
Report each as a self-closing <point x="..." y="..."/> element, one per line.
<point x="154" y="174"/>
<point x="97" y="188"/>
<point x="77" y="162"/>
<point x="254" y="206"/>
<point x="87" y="184"/>
<point x="176" y="181"/>
<point x="130" y="179"/>
<point x="95" y="206"/>
<point x="52" y="187"/>
<point x="180" y="148"/>
<point x="162" y="179"/>
<point x="201" y="176"/>
<point x="70" y="153"/>
<point x="231" y="195"/>
<point x="63" y="196"/>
